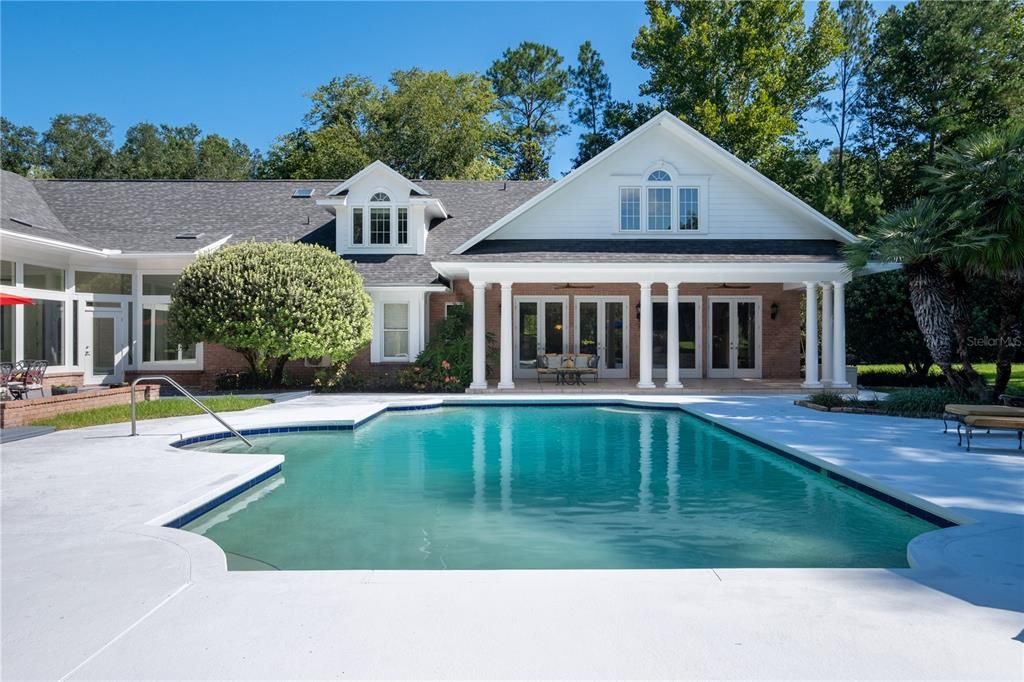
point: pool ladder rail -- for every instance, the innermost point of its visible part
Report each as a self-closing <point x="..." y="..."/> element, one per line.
<point x="184" y="392"/>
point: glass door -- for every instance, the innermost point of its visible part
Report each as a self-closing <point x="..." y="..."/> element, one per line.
<point x="540" y="328"/>
<point x="104" y="344"/>
<point x="734" y="331"/>
<point x="689" y="341"/>
<point x="602" y="328"/>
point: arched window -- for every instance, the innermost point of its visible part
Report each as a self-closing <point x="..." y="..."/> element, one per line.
<point x="659" y="176"/>
<point x="380" y="196"/>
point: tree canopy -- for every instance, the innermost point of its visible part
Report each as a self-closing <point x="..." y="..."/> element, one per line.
<point x="742" y="73"/>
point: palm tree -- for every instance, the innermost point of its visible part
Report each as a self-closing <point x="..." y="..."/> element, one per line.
<point x="981" y="181"/>
<point x="920" y="239"/>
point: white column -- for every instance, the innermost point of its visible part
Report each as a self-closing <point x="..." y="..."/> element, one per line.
<point x="839" y="337"/>
<point x="506" y="336"/>
<point x="672" y="374"/>
<point x="826" y="333"/>
<point x="811" y="354"/>
<point x="479" y="337"/>
<point x="646" y="337"/>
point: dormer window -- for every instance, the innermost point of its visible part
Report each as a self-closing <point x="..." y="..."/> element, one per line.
<point x="663" y="204"/>
<point x="386" y="224"/>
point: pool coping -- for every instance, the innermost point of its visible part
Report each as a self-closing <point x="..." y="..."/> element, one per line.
<point x="918" y="507"/>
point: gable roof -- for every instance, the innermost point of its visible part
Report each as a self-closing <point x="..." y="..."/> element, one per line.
<point x="691" y="136"/>
<point x="378" y="166"/>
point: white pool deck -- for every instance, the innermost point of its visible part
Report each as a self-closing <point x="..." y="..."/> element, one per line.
<point x="94" y="588"/>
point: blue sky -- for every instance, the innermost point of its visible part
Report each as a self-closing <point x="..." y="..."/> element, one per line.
<point x="242" y="69"/>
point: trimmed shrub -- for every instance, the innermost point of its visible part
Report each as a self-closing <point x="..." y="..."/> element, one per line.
<point x="920" y="402"/>
<point x="827" y="399"/>
<point x="892" y="378"/>
<point x="272" y="302"/>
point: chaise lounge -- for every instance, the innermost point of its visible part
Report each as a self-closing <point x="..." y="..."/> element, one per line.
<point x="984" y="417"/>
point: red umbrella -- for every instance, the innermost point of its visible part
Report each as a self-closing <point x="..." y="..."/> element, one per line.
<point x="11" y="299"/>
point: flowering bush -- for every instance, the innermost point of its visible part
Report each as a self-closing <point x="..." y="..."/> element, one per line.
<point x="446" y="364"/>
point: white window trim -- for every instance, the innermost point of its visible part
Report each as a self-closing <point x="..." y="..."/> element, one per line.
<point x="180" y="362"/>
<point x="679" y="181"/>
<point x="407" y="329"/>
<point x="392" y="245"/>
<point x="450" y="304"/>
<point x="417" y="302"/>
<point x="142" y="301"/>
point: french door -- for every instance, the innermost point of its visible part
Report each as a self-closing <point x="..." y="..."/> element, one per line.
<point x="602" y="328"/>
<point x="690" y="342"/>
<point x="734" y="332"/>
<point x="104" y="342"/>
<point x="540" y="327"/>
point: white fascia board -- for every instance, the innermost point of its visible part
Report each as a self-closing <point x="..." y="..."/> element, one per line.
<point x="750" y="173"/>
<point x="214" y="245"/>
<point x="688" y="134"/>
<point x="378" y="164"/>
<point x="608" y="273"/>
<point x="430" y="202"/>
<point x="405" y="288"/>
<point x="53" y="243"/>
<point x="556" y="186"/>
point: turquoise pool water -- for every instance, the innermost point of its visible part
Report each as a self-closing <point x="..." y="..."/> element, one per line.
<point x="546" y="487"/>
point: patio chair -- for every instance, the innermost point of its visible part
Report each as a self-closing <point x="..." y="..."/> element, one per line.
<point x="548" y="365"/>
<point x="6" y="375"/>
<point x="28" y="377"/>
<point x="587" y="365"/>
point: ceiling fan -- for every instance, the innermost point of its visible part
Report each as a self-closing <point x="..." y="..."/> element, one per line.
<point x="723" y="285"/>
<point x="570" y="285"/>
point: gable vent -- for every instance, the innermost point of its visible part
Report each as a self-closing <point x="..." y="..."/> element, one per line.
<point x="303" y="193"/>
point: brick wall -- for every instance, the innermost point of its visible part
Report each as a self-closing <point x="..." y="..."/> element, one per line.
<point x="24" y="412"/>
<point x="218" y="359"/>
<point x="780" y="357"/>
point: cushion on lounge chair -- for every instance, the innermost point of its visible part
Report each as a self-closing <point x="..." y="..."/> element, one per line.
<point x="983" y="410"/>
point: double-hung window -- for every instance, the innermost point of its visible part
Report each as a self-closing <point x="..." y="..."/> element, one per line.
<point x="380" y="222"/>
<point x="396" y="331"/>
<point x="403" y="226"/>
<point x="660" y="206"/>
<point x="689" y="209"/>
<point x="629" y="209"/>
<point x="357" y="225"/>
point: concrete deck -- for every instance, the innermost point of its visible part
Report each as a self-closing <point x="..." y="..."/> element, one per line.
<point x="94" y="588"/>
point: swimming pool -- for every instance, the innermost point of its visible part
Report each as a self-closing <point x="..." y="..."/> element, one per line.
<point x="518" y="487"/>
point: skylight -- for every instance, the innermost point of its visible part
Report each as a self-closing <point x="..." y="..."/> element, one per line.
<point x="303" y="193"/>
<point x="189" y="235"/>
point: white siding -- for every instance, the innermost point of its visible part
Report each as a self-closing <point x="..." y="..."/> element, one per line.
<point x="588" y="207"/>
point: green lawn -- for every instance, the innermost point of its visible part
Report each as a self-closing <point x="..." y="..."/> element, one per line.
<point x="170" y="407"/>
<point x="985" y="369"/>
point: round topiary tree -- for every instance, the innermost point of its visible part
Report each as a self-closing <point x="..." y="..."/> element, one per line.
<point x="272" y="302"/>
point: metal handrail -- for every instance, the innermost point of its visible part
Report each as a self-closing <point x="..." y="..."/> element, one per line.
<point x="184" y="392"/>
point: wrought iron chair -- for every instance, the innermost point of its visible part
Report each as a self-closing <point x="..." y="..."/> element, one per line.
<point x="31" y="373"/>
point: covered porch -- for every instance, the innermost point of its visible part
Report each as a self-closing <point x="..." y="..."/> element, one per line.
<point x="733" y="327"/>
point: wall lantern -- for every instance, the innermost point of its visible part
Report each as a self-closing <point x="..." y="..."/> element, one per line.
<point x="638" y="311"/>
<point x="775" y="310"/>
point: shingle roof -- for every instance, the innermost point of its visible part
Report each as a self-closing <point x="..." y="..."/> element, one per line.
<point x="147" y="216"/>
<point x="23" y="210"/>
<point x="655" y="251"/>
